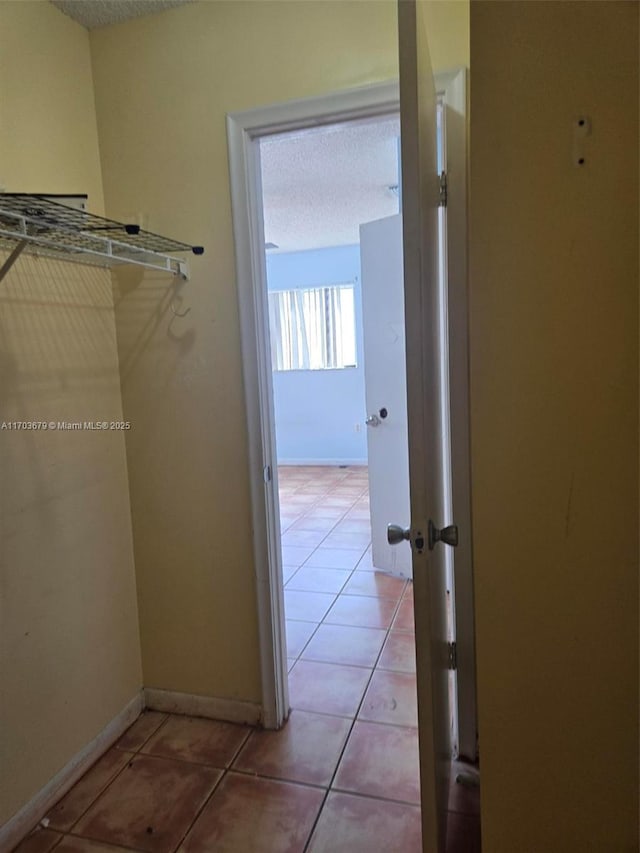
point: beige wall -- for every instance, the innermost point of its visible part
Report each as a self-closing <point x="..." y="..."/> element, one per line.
<point x="163" y="87"/>
<point x="69" y="646"/>
<point x="48" y="136"/>
<point x="554" y="370"/>
<point x="554" y="386"/>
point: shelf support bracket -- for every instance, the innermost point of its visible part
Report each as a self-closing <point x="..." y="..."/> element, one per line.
<point x="13" y="257"/>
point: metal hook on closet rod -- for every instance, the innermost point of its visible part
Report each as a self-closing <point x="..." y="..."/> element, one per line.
<point x="177" y="313"/>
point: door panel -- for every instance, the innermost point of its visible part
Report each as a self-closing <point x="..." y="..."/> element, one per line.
<point x="420" y="194"/>
<point x="385" y="389"/>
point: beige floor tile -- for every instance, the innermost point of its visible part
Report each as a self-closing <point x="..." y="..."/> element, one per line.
<point x="139" y="733"/>
<point x="151" y="805"/>
<point x="404" y="618"/>
<point x="293" y="555"/>
<point x="306" y="749"/>
<point x="365" y="564"/>
<point x="252" y="815"/>
<point x="381" y="761"/>
<point x="327" y="688"/>
<point x="333" y="558"/>
<point x="354" y="490"/>
<point x="375" y="583"/>
<point x="307" y="606"/>
<point x="288" y="572"/>
<point x="39" y="841"/>
<point x="391" y="698"/>
<point x="310" y="579"/>
<point x="302" y="538"/>
<point x="399" y="652"/>
<point x="75" y="803"/>
<point x="361" y="611"/>
<point x="211" y="742"/>
<point x="358" y="514"/>
<point x="352" y="824"/>
<point x="335" y="499"/>
<point x="345" y="644"/>
<point x="322" y="511"/>
<point x="72" y="844"/>
<point x="320" y="525"/>
<point x="351" y="541"/>
<point x="298" y="635"/>
<point x="354" y="525"/>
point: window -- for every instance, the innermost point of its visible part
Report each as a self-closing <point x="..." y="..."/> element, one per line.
<point x="313" y="329"/>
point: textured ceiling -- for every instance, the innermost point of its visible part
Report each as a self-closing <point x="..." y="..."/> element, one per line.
<point x="101" y="13"/>
<point x="320" y="185"/>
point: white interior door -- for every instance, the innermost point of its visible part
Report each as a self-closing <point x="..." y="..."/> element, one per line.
<point x="427" y="474"/>
<point x="385" y="388"/>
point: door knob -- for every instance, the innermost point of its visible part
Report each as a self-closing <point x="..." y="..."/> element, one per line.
<point x="397" y="534"/>
<point x="372" y="420"/>
<point x="448" y="535"/>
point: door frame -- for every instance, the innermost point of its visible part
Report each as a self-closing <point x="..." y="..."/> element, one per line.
<point x="244" y="129"/>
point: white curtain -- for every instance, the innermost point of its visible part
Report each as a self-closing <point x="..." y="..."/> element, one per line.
<point x="313" y="329"/>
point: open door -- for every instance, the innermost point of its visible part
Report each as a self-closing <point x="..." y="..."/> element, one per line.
<point x="423" y="301"/>
<point x="385" y="389"/>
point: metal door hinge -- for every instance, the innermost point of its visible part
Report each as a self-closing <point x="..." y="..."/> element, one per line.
<point x="452" y="656"/>
<point x="266" y="473"/>
<point x="443" y="189"/>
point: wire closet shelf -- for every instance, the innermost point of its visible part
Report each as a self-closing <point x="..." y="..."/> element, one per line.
<point x="37" y="225"/>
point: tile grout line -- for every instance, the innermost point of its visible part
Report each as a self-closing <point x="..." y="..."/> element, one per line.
<point x="372" y="672"/>
<point x="94" y="800"/>
<point x="316" y="503"/>
<point x="350" y="732"/>
<point x="337" y="521"/>
<point x="217" y="784"/>
<point x="107" y="844"/>
<point x="138" y="753"/>
<point x="228" y="768"/>
<point x="102" y="790"/>
<point x="285" y="781"/>
<point x="346" y="740"/>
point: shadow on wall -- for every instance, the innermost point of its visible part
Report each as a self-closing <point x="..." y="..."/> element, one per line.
<point x="58" y="366"/>
<point x="55" y="320"/>
<point x="141" y="301"/>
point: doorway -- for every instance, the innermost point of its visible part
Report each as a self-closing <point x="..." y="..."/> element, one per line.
<point x="244" y="132"/>
<point x="334" y="290"/>
<point x="349" y="628"/>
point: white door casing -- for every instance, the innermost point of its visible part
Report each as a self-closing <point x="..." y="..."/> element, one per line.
<point x="381" y="273"/>
<point x="244" y="132"/>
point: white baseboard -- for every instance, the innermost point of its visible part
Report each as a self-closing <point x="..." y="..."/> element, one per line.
<point x="351" y="463"/>
<point x="232" y="710"/>
<point x="15" y="829"/>
<point x="168" y="701"/>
